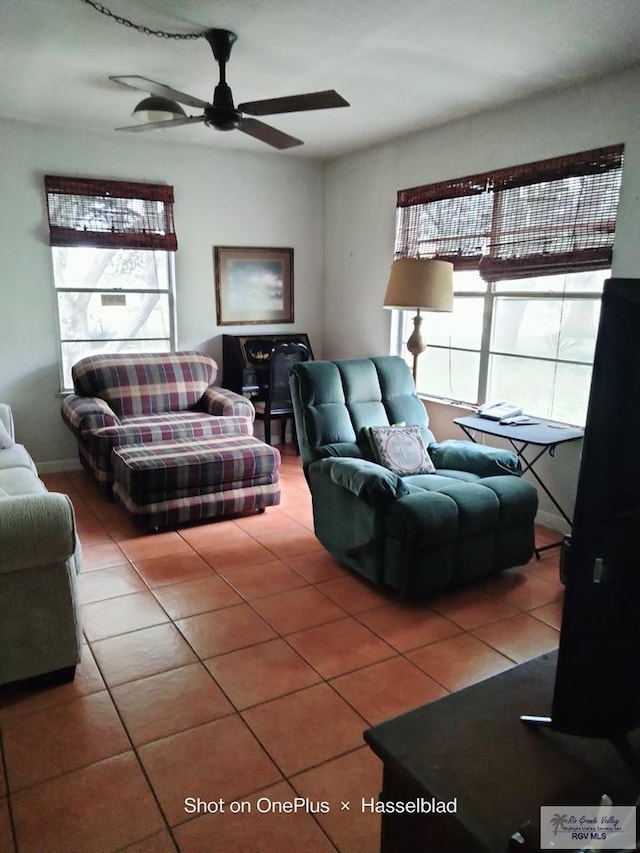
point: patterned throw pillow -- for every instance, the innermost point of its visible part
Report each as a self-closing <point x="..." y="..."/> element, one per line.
<point x="401" y="449"/>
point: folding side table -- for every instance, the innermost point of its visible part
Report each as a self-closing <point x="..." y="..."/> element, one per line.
<point x="542" y="434"/>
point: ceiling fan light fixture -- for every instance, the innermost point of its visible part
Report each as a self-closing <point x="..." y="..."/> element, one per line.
<point x="161" y="108"/>
<point x="156" y="108"/>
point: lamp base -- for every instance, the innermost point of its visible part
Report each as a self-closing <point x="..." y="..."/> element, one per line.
<point x="416" y="344"/>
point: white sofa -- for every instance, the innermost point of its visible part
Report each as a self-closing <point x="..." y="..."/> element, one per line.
<point x="40" y="632"/>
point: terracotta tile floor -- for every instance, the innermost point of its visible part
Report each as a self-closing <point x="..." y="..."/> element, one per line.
<point x="237" y="661"/>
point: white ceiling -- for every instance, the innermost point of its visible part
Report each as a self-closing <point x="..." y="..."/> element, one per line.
<point x="403" y="65"/>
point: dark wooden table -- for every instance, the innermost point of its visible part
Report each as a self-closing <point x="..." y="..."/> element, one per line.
<point x="472" y="746"/>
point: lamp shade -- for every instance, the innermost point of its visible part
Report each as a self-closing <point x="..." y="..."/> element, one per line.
<point x="420" y="283"/>
<point x="157" y="109"/>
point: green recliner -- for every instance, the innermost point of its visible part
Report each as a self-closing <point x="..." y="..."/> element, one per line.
<point x="415" y="533"/>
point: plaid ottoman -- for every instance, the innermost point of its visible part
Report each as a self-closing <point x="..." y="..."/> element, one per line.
<point x="188" y="480"/>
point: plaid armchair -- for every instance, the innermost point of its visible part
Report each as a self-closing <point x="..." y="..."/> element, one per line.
<point x="142" y="398"/>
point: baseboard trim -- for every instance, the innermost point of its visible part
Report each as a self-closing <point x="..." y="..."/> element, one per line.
<point x="58" y="466"/>
<point x="554" y="522"/>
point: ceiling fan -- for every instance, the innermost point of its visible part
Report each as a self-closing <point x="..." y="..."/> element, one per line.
<point x="222" y="114"/>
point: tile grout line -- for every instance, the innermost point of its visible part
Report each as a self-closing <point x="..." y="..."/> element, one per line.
<point x="237" y="711"/>
<point x="347" y="615"/>
<point x="134" y="750"/>
<point x="279" y="635"/>
<point x="315" y="585"/>
<point x="127" y="735"/>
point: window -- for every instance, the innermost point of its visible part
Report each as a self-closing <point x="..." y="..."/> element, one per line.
<point x="530" y="342"/>
<point x="112" y="246"/>
<point x="531" y="248"/>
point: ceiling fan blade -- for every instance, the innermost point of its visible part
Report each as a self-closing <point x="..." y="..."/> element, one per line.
<point x="143" y="84"/>
<point x="295" y="103"/>
<point x="265" y="133"/>
<point x="159" y="125"/>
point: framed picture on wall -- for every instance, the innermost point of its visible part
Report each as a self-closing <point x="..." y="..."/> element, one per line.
<point x="253" y="285"/>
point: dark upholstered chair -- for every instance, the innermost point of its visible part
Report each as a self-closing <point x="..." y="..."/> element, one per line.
<point x="278" y="406"/>
<point x="414" y="533"/>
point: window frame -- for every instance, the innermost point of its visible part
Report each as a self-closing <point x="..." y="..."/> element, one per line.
<point x="529" y="221"/>
<point x="169" y="291"/>
<point x="107" y="215"/>
<point x="403" y="327"/>
<point x="495" y="222"/>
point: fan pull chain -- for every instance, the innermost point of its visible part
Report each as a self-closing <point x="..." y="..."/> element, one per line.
<point x="141" y="29"/>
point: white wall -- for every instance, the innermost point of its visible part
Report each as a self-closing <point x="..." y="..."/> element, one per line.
<point x="222" y="197"/>
<point x="343" y="247"/>
<point x="360" y="198"/>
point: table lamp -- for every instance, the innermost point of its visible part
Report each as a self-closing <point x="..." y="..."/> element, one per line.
<point x="423" y="284"/>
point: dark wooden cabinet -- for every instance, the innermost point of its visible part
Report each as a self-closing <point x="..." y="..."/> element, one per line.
<point x="245" y="361"/>
<point x="471" y="746"/>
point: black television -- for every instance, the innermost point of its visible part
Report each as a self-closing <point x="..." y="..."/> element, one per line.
<point x="597" y="683"/>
